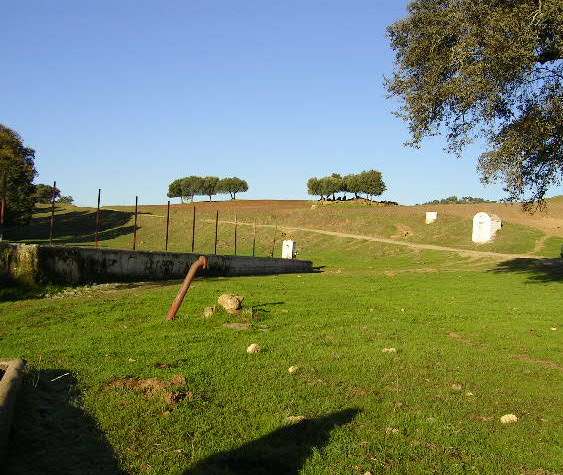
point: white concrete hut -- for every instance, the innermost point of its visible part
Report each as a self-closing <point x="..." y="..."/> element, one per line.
<point x="431" y="216"/>
<point x="484" y="227"/>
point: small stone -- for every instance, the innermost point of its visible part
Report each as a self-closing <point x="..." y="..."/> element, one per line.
<point x="295" y="419"/>
<point x="553" y="329"/>
<point x="131" y="360"/>
<point x="469" y="393"/>
<point x="389" y="350"/>
<point x="254" y="348"/>
<point x="208" y="311"/>
<point x="457" y="387"/>
<point x="231" y="302"/>
<point x="292" y="369"/>
<point x="237" y="326"/>
<point x="391" y="430"/>
<point x="508" y="419"/>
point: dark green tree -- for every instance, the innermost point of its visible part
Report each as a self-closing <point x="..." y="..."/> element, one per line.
<point x="488" y="69"/>
<point x="66" y="199"/>
<point x="44" y="193"/>
<point x="17" y="170"/>
<point x="232" y="186"/>
<point x="192" y="186"/>
<point x="314" y="187"/>
<point x="175" y="189"/>
<point x="209" y="186"/>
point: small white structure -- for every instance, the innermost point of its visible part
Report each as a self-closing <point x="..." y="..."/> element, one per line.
<point x="431" y="216"/>
<point x="484" y="227"/>
<point x="289" y="250"/>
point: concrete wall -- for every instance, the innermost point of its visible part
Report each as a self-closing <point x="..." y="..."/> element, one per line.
<point x="76" y="265"/>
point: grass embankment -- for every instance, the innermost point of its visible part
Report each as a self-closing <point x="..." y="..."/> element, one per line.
<point x="473" y="341"/>
<point x="453" y="228"/>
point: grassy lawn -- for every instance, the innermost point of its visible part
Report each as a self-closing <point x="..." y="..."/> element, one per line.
<point x="474" y="340"/>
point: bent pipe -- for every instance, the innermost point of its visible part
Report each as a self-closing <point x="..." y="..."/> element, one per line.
<point x="190" y="276"/>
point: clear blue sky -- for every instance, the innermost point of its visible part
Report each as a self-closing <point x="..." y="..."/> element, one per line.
<point x="127" y="95"/>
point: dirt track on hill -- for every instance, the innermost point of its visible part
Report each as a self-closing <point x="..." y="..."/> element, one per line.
<point x="413" y="245"/>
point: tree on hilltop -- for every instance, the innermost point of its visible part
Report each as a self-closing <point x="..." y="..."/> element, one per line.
<point x="44" y="193"/>
<point x="232" y="186"/>
<point x="492" y="70"/>
<point x="209" y="186"/>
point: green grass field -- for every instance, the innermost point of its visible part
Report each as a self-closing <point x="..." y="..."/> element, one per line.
<point x="475" y="339"/>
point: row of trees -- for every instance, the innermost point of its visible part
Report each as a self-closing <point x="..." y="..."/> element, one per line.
<point x="190" y="186"/>
<point x="454" y="200"/>
<point x="368" y="182"/>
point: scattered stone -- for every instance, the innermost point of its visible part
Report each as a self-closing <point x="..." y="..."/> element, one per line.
<point x="231" y="302"/>
<point x="237" y="326"/>
<point x="131" y="360"/>
<point x="208" y="311"/>
<point x="457" y="387"/>
<point x="469" y="393"/>
<point x="295" y="419"/>
<point x="553" y="329"/>
<point x="508" y="419"/>
<point x="391" y="430"/>
<point x="430" y="420"/>
<point x="389" y="350"/>
<point x="292" y="369"/>
<point x="254" y="348"/>
<point x="163" y="366"/>
<point x="174" y="398"/>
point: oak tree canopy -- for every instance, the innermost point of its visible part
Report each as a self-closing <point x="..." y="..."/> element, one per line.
<point x="490" y="70"/>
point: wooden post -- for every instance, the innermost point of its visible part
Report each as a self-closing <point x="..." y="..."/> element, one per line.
<point x="135" y="226"/>
<point x="52" y="226"/>
<point x="254" y="239"/>
<point x="216" y="230"/>
<point x="236" y="234"/>
<point x="167" y="225"/>
<point x="193" y="232"/>
<point x="98" y="219"/>
<point x="274" y="241"/>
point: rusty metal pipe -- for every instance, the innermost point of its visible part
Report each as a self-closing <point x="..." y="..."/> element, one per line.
<point x="190" y="276"/>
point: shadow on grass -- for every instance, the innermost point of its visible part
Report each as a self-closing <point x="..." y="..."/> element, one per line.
<point x="283" y="451"/>
<point x="74" y="227"/>
<point x="539" y="270"/>
<point x="52" y="434"/>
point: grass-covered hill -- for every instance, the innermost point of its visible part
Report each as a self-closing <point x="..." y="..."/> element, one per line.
<point x="522" y="233"/>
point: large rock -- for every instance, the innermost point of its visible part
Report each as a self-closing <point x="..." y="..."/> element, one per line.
<point x="231" y="302"/>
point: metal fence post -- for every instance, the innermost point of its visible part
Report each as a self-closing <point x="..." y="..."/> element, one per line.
<point x="52" y="225"/>
<point x="216" y="230"/>
<point x="98" y="219"/>
<point x="193" y="232"/>
<point x="167" y="225"/>
<point x="135" y="226"/>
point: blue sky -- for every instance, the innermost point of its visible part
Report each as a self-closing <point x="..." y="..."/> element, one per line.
<point x="127" y="95"/>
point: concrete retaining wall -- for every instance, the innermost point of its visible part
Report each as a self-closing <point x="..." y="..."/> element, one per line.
<point x="33" y="263"/>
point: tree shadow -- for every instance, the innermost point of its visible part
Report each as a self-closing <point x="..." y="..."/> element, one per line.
<point x="74" y="227"/>
<point x="283" y="451"/>
<point x="52" y="434"/>
<point x="538" y="270"/>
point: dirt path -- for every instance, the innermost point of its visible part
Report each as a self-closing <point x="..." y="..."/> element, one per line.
<point x="413" y="245"/>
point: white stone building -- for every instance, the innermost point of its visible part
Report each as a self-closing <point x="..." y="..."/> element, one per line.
<point x="485" y="227"/>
